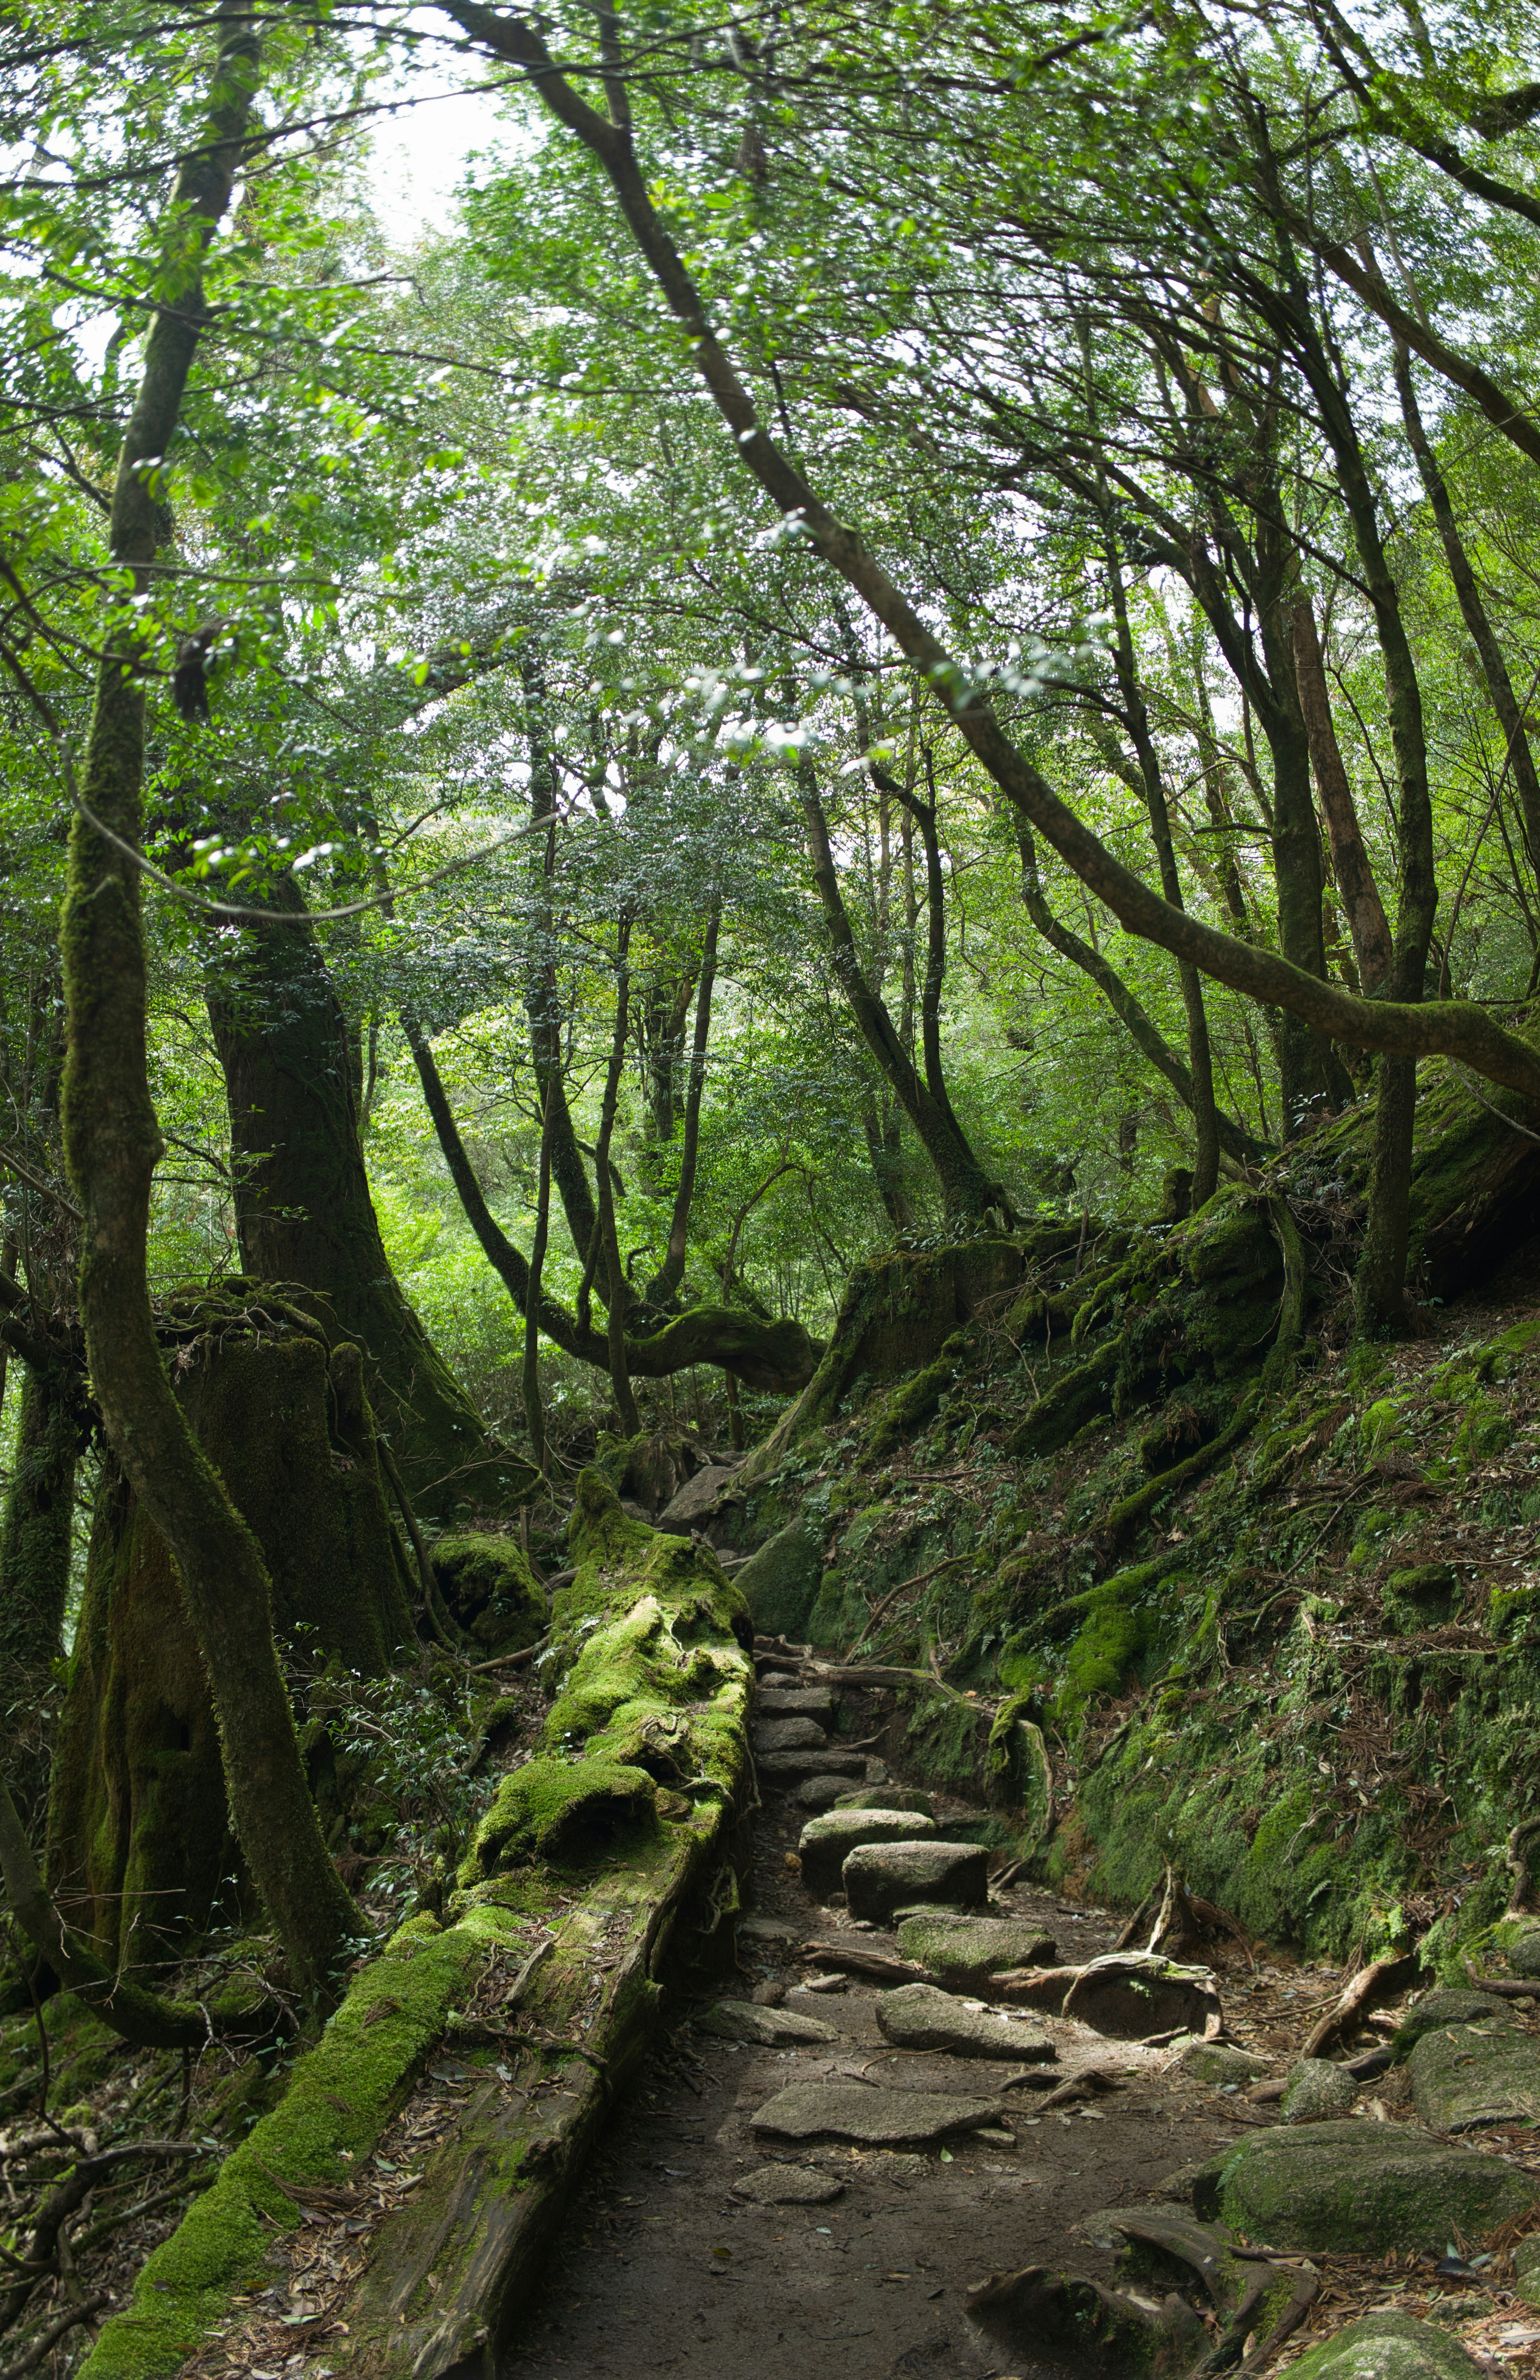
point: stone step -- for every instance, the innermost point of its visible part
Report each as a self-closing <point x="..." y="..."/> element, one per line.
<point x="918" y="2017"/>
<point x="795" y="1702"/>
<point x="825" y="1843"/>
<point x="789" y="1735"/>
<point x="871" y="2117"/>
<point x="789" y="1767"/>
<point x="883" y="1877"/>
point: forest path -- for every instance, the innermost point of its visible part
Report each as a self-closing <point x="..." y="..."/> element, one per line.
<point x="662" y="2268"/>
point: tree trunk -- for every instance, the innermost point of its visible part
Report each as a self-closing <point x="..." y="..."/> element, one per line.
<point x="36" y="1537"/>
<point x="141" y="1847"/>
<point x="617" y="1298"/>
<point x="664" y="1285"/>
<point x="113" y="1141"/>
<point x="304" y="1212"/>
<point x="1367" y="923"/>
<point x="965" y="1189"/>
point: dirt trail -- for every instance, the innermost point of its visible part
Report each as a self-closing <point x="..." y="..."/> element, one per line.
<point x="662" y="2269"/>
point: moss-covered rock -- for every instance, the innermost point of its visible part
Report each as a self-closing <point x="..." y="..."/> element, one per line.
<point x="1388" y="2346"/>
<point x="825" y="1843"/>
<point x="491" y="1589"/>
<point x="962" y="1953"/>
<point x="779" y="1582"/>
<point x="1358" y="2188"/>
<point x="1470" y="2075"/>
<point x="1437" y="2009"/>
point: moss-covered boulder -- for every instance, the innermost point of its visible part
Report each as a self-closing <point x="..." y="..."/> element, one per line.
<point x="779" y="1582"/>
<point x="1470" y="2075"/>
<point x="1317" y="2092"/>
<point x="887" y="1797"/>
<point x="963" y="1953"/>
<point x="563" y="1810"/>
<point x="491" y="1589"/>
<point x="1435" y="2011"/>
<point x="1359" y="2188"/>
<point x="1388" y="2346"/>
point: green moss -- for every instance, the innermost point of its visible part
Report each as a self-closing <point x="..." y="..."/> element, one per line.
<point x="491" y="1589"/>
<point x="562" y="1812"/>
<point x="779" y="1582"/>
<point x="340" y="2098"/>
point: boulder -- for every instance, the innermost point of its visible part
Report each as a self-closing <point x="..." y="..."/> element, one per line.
<point x="892" y="1797"/>
<point x="1130" y="1995"/>
<point x="696" y="1501"/>
<point x="780" y="1582"/>
<point x="965" y="1952"/>
<point x="1358" y="2188"/>
<point x="881" y="1877"/>
<point x="1316" y="2092"/>
<point x="825" y="1843"/>
<point x="1485" y="2072"/>
<point x="1387" y="2346"/>
<point x="1218" y="2062"/>
<point x="490" y="1588"/>
<point x="1522" y="1948"/>
<point x="1437" y="2009"/>
<point x="1065" y="2321"/>
<point x="872" y="2118"/>
<point x="787" y="2185"/>
<point x="765" y="2028"/>
<point x="917" y="2016"/>
<point x="1526" y="2270"/>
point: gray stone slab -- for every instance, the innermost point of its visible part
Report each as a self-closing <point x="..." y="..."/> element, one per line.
<point x="917" y="2016"/>
<point x="823" y="1793"/>
<point x="769" y="1930"/>
<point x="1388" y="2346"/>
<point x="1487" y="2072"/>
<point x="872" y="2118"/>
<point x="964" y="1953"/>
<point x="826" y="1843"/>
<point x="789" y="1735"/>
<point x="787" y="2185"/>
<point x="796" y="1702"/>
<point x="880" y="1877"/>
<point x="766" y="2028"/>
<point x="1318" y="2091"/>
<point x="790" y="1768"/>
<point x="1358" y="2187"/>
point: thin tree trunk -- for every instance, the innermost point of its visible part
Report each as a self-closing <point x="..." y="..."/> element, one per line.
<point x="534" y="1410"/>
<point x="965" y="1189"/>
<point x="1472" y="610"/>
<point x="617" y="1298"/>
<point x="665" y="1282"/>
<point x="113" y="1141"/>
<point x="542" y="997"/>
<point x="1367" y="923"/>
<point x="35" y="1544"/>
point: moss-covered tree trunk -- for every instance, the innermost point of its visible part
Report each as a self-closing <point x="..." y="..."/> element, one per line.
<point x="111" y="1135"/>
<point x="303" y="1208"/>
<point x="35" y="1540"/>
<point x="141" y="1851"/>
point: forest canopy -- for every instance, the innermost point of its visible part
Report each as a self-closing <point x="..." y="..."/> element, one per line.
<point x="915" y="623"/>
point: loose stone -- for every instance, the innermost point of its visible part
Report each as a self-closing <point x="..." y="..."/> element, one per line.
<point x="766" y="2028"/>
<point x="917" y="2016"/>
<point x="1217" y="2062"/>
<point x="874" y="2118"/>
<point x="1318" y="2091"/>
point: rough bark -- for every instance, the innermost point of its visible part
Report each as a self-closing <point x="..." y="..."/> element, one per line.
<point x="1456" y="1028"/>
<point x="542" y="995"/>
<point x="36" y="1534"/>
<point x="1367" y="923"/>
<point x="141" y="1851"/>
<point x="112" y="1138"/>
<point x="303" y="1209"/>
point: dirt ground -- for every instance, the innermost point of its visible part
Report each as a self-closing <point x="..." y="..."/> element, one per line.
<point x="661" y="2270"/>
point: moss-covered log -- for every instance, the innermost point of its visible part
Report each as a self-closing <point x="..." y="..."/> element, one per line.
<point x="140" y="1843"/>
<point x="601" y="1867"/>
